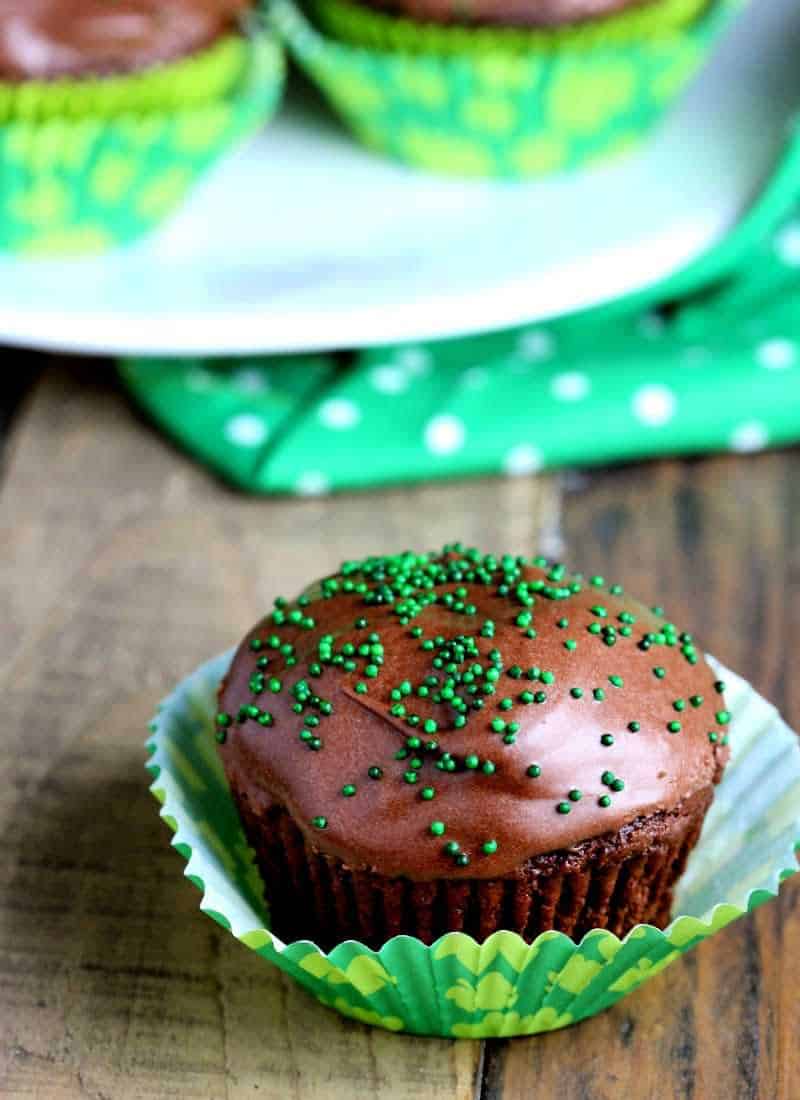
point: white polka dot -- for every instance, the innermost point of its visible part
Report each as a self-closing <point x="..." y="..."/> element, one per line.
<point x="198" y="378"/>
<point x="312" y="483"/>
<point x="388" y="379"/>
<point x="246" y="430"/>
<point x="339" y="413"/>
<point x="695" y="355"/>
<point x="651" y="325"/>
<point x="777" y="354"/>
<point x="475" y="378"/>
<point x="415" y="360"/>
<point x="570" y="385"/>
<point x="537" y="344"/>
<point x="523" y="459"/>
<point x="750" y="436"/>
<point x="444" y="434"/>
<point x="787" y="244"/>
<point x="654" y="405"/>
<point x="250" y="380"/>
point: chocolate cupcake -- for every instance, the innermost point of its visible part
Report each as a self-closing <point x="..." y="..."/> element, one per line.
<point x="110" y="112"/>
<point x="425" y="743"/>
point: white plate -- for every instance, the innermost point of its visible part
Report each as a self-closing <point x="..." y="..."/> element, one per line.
<point x="305" y="241"/>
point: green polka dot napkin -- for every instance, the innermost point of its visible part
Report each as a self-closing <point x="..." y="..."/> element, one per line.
<point x="720" y="371"/>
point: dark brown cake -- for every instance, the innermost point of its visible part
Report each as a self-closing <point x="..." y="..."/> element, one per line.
<point x="453" y="741"/>
<point x="49" y="39"/>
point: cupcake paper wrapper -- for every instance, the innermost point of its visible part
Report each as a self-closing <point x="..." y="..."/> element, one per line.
<point x="83" y="184"/>
<point x="503" y="986"/>
<point x="496" y="112"/>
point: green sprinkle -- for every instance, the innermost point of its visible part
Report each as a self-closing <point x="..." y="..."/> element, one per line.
<point x="576" y="692"/>
<point x="604" y="800"/>
<point x="713" y="737"/>
<point x="696" y="700"/>
<point x="437" y="828"/>
<point x="506" y="704"/>
<point x="526" y="697"/>
<point x="410" y="777"/>
<point x="719" y="686"/>
<point x="599" y="694"/>
<point x="471" y="761"/>
<point x="575" y="795"/>
<point x="607" y="739"/>
<point x="562" y="623"/>
<point x="498" y="725"/>
<point x="489" y="847"/>
<point x="563" y="808"/>
<point x="319" y="822"/>
<point x="570" y="644"/>
<point x="361" y="688"/>
<point x="599" y="610"/>
<point x="540" y="697"/>
<point x="488" y="768"/>
<point x="659" y="672"/>
<point x="617" y="785"/>
<point x="679" y="705"/>
<point x="674" y="727"/>
<point x="428" y="793"/>
<point x="594" y="628"/>
<point x="533" y="770"/>
<point x="223" y="718"/>
<point x="634" y="727"/>
<point x="348" y="790"/>
<point x="547" y="677"/>
<point x="452" y="847"/>
<point x="596" y="582"/>
<point x="723" y="717"/>
<point x="430" y="725"/>
<point x="617" y="681"/>
<point x="462" y="859"/>
<point x="375" y="772"/>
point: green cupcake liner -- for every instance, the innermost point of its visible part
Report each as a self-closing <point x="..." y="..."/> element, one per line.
<point x="378" y="29"/>
<point x="84" y="184"/>
<point x="504" y="986"/>
<point x="205" y="76"/>
<point x="495" y="111"/>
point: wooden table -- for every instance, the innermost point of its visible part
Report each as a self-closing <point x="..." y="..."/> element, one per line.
<point x="123" y="565"/>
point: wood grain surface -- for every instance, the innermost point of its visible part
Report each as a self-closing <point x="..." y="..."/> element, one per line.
<point x="122" y="566"/>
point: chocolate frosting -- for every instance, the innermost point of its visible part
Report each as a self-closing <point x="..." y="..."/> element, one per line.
<point x="47" y="39"/>
<point x="520" y="13"/>
<point x="595" y="712"/>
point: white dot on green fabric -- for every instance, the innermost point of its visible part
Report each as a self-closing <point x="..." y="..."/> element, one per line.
<point x="474" y="378"/>
<point x="651" y="325"/>
<point x="198" y="379"/>
<point x="386" y="379"/>
<point x="444" y="434"/>
<point x="415" y="360"/>
<point x="246" y="430"/>
<point x="250" y="380"/>
<point x="787" y="244"/>
<point x="570" y="385"/>
<point x="339" y="413"/>
<point x="777" y="354"/>
<point x="752" y="435"/>
<point x="696" y="355"/>
<point x="523" y="459"/>
<point x="654" y="405"/>
<point x="536" y="344"/>
<point x="312" y="483"/>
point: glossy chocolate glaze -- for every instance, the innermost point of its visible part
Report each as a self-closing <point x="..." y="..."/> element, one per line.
<point x="48" y="39"/>
<point x="519" y="13"/>
<point x="385" y="825"/>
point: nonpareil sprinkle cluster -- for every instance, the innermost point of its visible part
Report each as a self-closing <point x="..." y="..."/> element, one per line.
<point x="468" y="682"/>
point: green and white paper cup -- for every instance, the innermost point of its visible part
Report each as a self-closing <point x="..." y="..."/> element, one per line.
<point x="87" y="165"/>
<point x="504" y="986"/>
<point x="495" y="102"/>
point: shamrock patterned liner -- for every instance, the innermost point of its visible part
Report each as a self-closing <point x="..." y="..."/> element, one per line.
<point x="497" y="111"/>
<point x="78" y="181"/>
<point x="504" y="986"/>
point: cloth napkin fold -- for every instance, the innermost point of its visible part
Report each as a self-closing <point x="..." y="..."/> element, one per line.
<point x="718" y="370"/>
